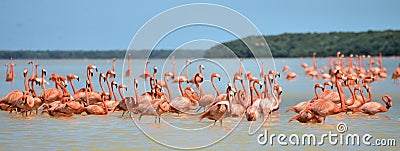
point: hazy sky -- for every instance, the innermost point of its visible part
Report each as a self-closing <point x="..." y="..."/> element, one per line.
<point x="104" y="24"/>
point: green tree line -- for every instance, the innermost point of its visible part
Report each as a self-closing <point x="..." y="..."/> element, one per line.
<point x="96" y="54"/>
<point x="305" y="44"/>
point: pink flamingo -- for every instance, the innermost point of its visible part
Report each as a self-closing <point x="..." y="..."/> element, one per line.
<point x="371" y="108"/>
<point x="218" y="110"/>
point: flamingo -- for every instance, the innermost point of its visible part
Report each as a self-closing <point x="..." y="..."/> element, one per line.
<point x="157" y="109"/>
<point x="322" y="107"/>
<point x="205" y="99"/>
<point x="371" y="108"/>
<point x="128" y="71"/>
<point x="100" y="109"/>
<point x="177" y="78"/>
<point x="122" y="104"/>
<point x="396" y="74"/>
<point x="288" y="76"/>
<point x="112" y="104"/>
<point x="142" y="101"/>
<point x="70" y="77"/>
<point x="218" y="110"/>
<point x="253" y="111"/>
<point x="240" y="101"/>
<point x="146" y="73"/>
<point x="194" y="79"/>
<point x="10" y="75"/>
<point x="186" y="101"/>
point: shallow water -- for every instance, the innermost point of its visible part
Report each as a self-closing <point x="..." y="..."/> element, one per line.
<point x="113" y="132"/>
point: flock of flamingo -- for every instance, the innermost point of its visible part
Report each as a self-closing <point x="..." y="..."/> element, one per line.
<point x="233" y="102"/>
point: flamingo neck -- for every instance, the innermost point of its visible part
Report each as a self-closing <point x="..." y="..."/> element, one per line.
<point x="255" y="89"/>
<point x="110" y="89"/>
<point x="387" y="101"/>
<point x="166" y="85"/>
<point x="353" y="95"/>
<point x="187" y="70"/>
<point x="26" y="83"/>
<point x="180" y="88"/>
<point x="277" y="100"/>
<point x="72" y="86"/>
<point x="120" y="94"/>
<point x="341" y="95"/>
<point x="90" y="80"/>
<point x="101" y="85"/>
<point x="136" y="93"/>
<point x="215" y="88"/>
<point x="370" y="96"/>
<point x="266" y="93"/>
<point x="251" y="95"/>
<point x="114" y="95"/>
<point x="315" y="91"/>
<point x="244" y="87"/>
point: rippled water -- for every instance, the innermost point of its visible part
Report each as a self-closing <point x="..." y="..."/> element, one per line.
<point x="113" y="132"/>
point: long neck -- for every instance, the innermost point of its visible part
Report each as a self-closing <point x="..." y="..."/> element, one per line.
<point x="26" y="83"/>
<point x="33" y="89"/>
<point x="341" y="95"/>
<point x="315" y="91"/>
<point x="362" y="95"/>
<point x="277" y="100"/>
<point x="87" y="94"/>
<point x="213" y="84"/>
<point x="255" y="89"/>
<point x="266" y="93"/>
<point x="37" y="71"/>
<point x="251" y="95"/>
<point x="65" y="91"/>
<point x="110" y="89"/>
<point x="136" y="93"/>
<point x="101" y="85"/>
<point x="114" y="95"/>
<point x="90" y="80"/>
<point x="166" y="85"/>
<point x="72" y="86"/>
<point x="180" y="88"/>
<point x="370" y="96"/>
<point x="43" y="87"/>
<point x="243" y="86"/>
<point x="120" y="93"/>
<point x="199" y="88"/>
<point x="262" y="70"/>
<point x="386" y="101"/>
<point x="234" y="84"/>
<point x="187" y="70"/>
<point x="200" y="70"/>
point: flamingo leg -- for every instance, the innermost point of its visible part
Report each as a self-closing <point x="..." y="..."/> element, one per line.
<point x="220" y="122"/>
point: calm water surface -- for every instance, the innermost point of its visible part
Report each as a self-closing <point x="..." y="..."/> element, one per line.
<point x="113" y="132"/>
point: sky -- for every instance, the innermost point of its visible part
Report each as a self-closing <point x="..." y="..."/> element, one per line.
<point x="110" y="25"/>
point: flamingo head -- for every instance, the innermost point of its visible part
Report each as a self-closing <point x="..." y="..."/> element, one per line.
<point x="111" y="73"/>
<point x="278" y="89"/>
<point x="114" y="83"/>
<point x="123" y="86"/>
<point x="25" y="72"/>
<point x="201" y="67"/>
<point x="102" y="76"/>
<point x="135" y="82"/>
<point x="155" y="69"/>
